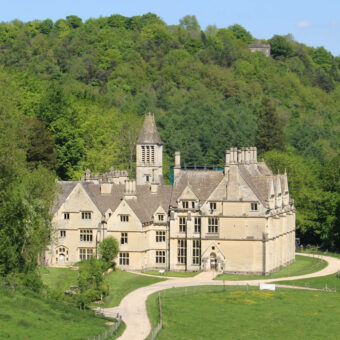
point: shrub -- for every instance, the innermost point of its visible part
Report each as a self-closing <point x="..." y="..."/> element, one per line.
<point x="108" y="249"/>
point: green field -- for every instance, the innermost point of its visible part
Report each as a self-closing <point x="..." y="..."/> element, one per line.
<point x="236" y="313"/>
<point x="59" y="278"/>
<point x="172" y="274"/>
<point x="329" y="281"/>
<point x="25" y="315"/>
<point x="303" y="265"/>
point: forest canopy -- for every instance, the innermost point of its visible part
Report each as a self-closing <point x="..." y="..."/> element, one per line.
<point x="84" y="87"/>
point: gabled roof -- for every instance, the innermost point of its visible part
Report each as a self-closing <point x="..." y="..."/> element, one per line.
<point x="65" y="188"/>
<point x="144" y="205"/>
<point x="202" y="183"/>
<point x="147" y="202"/>
<point x="104" y="202"/>
<point x="149" y="133"/>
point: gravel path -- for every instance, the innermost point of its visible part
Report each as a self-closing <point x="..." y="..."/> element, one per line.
<point x="133" y="306"/>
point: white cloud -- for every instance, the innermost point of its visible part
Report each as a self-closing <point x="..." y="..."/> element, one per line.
<point x="303" y="24"/>
<point x="335" y="24"/>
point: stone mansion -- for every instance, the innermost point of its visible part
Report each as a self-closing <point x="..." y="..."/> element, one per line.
<point x="239" y="220"/>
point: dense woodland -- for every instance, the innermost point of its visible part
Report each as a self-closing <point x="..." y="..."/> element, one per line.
<point x="73" y="95"/>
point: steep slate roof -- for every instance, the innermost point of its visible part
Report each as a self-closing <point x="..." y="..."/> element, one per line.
<point x="65" y="189"/>
<point x="143" y="206"/>
<point x="201" y="182"/>
<point x="149" y="133"/>
<point x="147" y="202"/>
<point x="105" y="201"/>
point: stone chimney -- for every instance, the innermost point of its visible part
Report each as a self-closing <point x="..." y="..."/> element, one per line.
<point x="177" y="166"/>
<point x="155" y="181"/>
<point x="278" y="192"/>
<point x="285" y="189"/>
<point x="105" y="188"/>
<point x="130" y="189"/>
<point x="271" y="195"/>
<point x="227" y="162"/>
<point x="251" y="155"/>
<point x="247" y="156"/>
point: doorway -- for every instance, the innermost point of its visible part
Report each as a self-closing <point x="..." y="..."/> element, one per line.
<point x="213" y="261"/>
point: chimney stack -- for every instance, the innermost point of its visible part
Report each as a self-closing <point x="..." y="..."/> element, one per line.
<point x="105" y="188"/>
<point x="155" y="181"/>
<point x="177" y="166"/>
<point x="255" y="154"/>
<point x="130" y="189"/>
<point x="247" y="154"/>
<point x="227" y="162"/>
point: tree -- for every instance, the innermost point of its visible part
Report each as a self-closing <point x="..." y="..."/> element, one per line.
<point x="108" y="249"/>
<point x="280" y="47"/>
<point x="270" y="133"/>
<point x="74" y="21"/>
<point x="41" y="143"/>
<point x="26" y="196"/>
<point x="323" y="58"/>
<point x="190" y="23"/>
<point x="91" y="281"/>
<point x="241" y="33"/>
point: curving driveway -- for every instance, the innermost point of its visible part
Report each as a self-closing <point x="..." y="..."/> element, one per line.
<point x="133" y="306"/>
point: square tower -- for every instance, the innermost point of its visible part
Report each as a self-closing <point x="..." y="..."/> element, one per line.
<point x="149" y="153"/>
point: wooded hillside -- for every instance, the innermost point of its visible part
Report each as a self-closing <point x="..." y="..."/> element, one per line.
<point x="78" y="92"/>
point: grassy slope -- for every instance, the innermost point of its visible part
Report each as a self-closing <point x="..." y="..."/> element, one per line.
<point x="25" y="315"/>
<point x="253" y="314"/>
<point x="332" y="281"/>
<point x="303" y="265"/>
<point x="121" y="283"/>
<point x="172" y="274"/>
<point x="59" y="278"/>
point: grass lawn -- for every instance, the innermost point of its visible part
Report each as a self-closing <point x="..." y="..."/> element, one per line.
<point x="121" y="283"/>
<point x="303" y="265"/>
<point x="236" y="313"/>
<point x="172" y="274"/>
<point x="59" y="278"/>
<point x="318" y="252"/>
<point x="332" y="281"/>
<point x="25" y="315"/>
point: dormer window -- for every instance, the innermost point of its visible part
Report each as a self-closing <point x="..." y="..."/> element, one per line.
<point x="254" y="207"/>
<point x="212" y="205"/>
<point x="193" y="204"/>
<point x="66" y="216"/>
<point x="185" y="205"/>
<point x="160" y="217"/>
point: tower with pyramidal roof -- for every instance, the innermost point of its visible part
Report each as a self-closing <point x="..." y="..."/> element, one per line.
<point x="149" y="153"/>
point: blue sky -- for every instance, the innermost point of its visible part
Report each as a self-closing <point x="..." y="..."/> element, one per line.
<point x="314" y="22"/>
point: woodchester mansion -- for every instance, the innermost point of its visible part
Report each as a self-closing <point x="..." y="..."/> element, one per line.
<point x="239" y="220"/>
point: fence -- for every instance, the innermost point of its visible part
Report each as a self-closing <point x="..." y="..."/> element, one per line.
<point x="155" y="331"/>
<point x="109" y="332"/>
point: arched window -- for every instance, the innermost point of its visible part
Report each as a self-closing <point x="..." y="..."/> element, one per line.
<point x="62" y="253"/>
